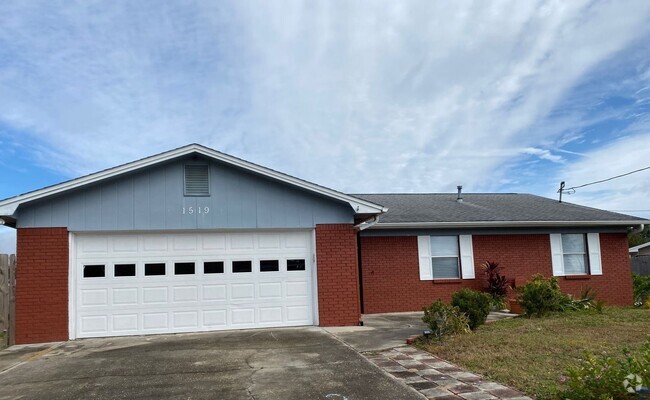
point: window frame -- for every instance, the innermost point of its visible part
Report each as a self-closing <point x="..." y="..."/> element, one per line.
<point x="457" y="256"/>
<point x="586" y="255"/>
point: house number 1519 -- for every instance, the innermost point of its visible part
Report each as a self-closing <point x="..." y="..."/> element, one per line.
<point x="198" y="210"/>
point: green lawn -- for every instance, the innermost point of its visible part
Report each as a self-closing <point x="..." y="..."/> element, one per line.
<point x="532" y="354"/>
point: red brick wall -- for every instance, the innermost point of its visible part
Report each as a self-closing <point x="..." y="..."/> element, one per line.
<point x="338" y="275"/>
<point x="391" y="278"/>
<point x="42" y="285"/>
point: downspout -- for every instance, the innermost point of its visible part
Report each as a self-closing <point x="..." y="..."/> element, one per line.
<point x="359" y="228"/>
<point x="2" y="221"/>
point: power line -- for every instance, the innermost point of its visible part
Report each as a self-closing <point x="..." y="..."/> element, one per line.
<point x="608" y="179"/>
<point x="572" y="189"/>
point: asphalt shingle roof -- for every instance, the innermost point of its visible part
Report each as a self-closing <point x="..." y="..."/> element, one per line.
<point x="443" y="207"/>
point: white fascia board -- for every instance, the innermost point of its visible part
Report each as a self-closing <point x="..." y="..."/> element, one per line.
<point x="503" y="224"/>
<point x="639" y="247"/>
<point x="9" y="206"/>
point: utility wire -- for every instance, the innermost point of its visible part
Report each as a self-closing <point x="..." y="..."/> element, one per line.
<point x="608" y="179"/>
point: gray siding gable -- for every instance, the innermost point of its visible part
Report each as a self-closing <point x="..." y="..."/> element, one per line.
<point x="153" y="199"/>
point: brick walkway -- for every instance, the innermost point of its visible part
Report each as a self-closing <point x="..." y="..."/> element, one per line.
<point x="438" y="379"/>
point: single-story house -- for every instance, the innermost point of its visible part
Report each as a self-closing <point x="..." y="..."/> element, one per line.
<point x="196" y="240"/>
<point x="640" y="250"/>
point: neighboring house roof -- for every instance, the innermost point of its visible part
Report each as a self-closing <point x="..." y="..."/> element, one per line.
<point x="636" y="249"/>
<point x="488" y="209"/>
<point x="360" y="206"/>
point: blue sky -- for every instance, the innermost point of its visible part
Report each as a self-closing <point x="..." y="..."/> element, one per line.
<point x="381" y="96"/>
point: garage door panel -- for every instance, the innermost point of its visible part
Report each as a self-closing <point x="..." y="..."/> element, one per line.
<point x="184" y="294"/>
<point x="153" y="295"/>
<point x="125" y="296"/>
<point x="242" y="316"/>
<point x="157" y="321"/>
<point x="214" y="292"/>
<point x="94" y="297"/>
<point x="213" y="298"/>
<point x="125" y="323"/>
<point x="93" y="324"/>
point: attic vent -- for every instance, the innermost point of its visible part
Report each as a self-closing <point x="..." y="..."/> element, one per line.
<point x="197" y="182"/>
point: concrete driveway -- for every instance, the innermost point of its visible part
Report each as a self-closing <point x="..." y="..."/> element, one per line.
<point x="300" y="363"/>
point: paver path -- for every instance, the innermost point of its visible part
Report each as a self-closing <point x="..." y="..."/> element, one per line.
<point x="438" y="379"/>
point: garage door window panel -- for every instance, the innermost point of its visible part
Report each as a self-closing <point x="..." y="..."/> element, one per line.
<point x="296" y="265"/>
<point x="154" y="269"/>
<point x="184" y="268"/>
<point x="122" y="270"/>
<point x="242" y="266"/>
<point x="213" y="267"/>
<point x="94" y="271"/>
<point x="269" y="266"/>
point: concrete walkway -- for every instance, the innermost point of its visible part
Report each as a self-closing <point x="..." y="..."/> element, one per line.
<point x="382" y="340"/>
<point x="438" y="379"/>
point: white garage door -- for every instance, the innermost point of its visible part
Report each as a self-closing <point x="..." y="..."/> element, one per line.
<point x="133" y="284"/>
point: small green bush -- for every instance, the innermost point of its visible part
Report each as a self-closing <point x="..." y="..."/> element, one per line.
<point x="541" y="296"/>
<point x="444" y="319"/>
<point x="476" y="305"/>
<point x="641" y="289"/>
<point x="605" y="377"/>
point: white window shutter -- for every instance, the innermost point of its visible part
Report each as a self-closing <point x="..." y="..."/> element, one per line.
<point x="466" y="256"/>
<point x="424" y="254"/>
<point x="595" y="262"/>
<point x="557" y="257"/>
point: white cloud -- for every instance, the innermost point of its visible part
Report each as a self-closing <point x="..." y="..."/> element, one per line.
<point x="629" y="194"/>
<point x="543" y="154"/>
<point x="359" y="96"/>
<point x="7" y="240"/>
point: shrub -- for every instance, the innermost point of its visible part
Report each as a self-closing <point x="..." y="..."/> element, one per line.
<point x="605" y="377"/>
<point x="541" y="296"/>
<point x="497" y="284"/>
<point x="586" y="301"/>
<point x="445" y="319"/>
<point x="641" y="289"/>
<point x="476" y="305"/>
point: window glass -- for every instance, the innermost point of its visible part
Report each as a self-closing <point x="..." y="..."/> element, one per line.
<point x="184" y="268"/>
<point x="213" y="267"/>
<point x="296" y="265"/>
<point x="444" y="257"/>
<point x="124" y="270"/>
<point x="154" y="269"/>
<point x="445" y="267"/>
<point x="242" y="266"/>
<point x="574" y="247"/>
<point x="573" y="243"/>
<point x="269" y="265"/>
<point x="444" y="246"/>
<point x="94" y="271"/>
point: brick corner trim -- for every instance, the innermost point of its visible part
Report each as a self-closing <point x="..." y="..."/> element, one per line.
<point x="41" y="285"/>
<point x="338" y="275"/>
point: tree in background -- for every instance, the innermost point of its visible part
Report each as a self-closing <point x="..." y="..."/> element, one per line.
<point x="639" y="238"/>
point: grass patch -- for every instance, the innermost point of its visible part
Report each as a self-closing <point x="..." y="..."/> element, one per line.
<point x="532" y="354"/>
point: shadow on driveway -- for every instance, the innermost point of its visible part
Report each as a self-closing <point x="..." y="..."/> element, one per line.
<point x="293" y="363"/>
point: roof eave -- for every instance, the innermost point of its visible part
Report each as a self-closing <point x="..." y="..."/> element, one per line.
<point x="9" y="206"/>
<point x="504" y="224"/>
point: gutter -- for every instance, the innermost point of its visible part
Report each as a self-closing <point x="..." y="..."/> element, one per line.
<point x="504" y="224"/>
<point x="638" y="229"/>
<point x="367" y="224"/>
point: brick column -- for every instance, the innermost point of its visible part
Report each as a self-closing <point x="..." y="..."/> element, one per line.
<point x="41" y="285"/>
<point x="338" y="275"/>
